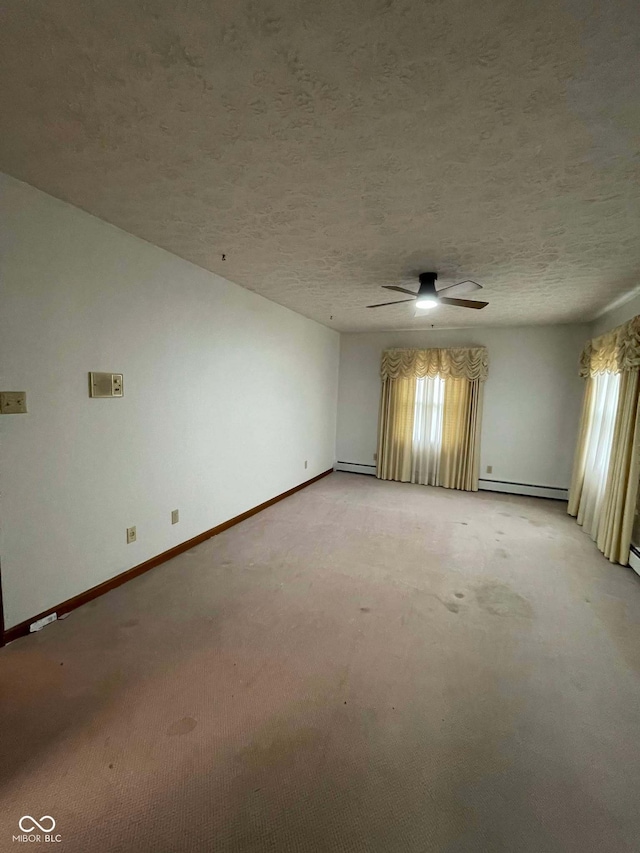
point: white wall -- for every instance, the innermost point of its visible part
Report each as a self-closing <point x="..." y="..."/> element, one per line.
<point x="226" y="395"/>
<point x="531" y="405"/>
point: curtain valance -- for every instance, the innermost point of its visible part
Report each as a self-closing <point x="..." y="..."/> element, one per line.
<point x="617" y="351"/>
<point x="459" y="363"/>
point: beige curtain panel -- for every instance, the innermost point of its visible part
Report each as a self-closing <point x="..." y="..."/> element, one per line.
<point x="430" y="416"/>
<point x="606" y="473"/>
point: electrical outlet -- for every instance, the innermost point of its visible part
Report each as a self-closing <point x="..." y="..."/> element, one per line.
<point x="489" y="469"/>
<point x="375" y="457"/>
<point x="131" y="535"/>
<point x="13" y="403"/>
<point x="305" y="463"/>
<point x="175" y="516"/>
<point x="39" y="624"/>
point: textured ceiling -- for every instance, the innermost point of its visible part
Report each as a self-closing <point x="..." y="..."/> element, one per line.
<point x="327" y="148"/>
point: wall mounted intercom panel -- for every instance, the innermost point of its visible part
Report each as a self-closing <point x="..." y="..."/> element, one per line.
<point x="106" y="385"/>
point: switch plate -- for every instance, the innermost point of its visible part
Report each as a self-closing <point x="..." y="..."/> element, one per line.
<point x="106" y="385"/>
<point x="13" y="403"/>
<point x="131" y="535"/>
<point x="175" y="516"/>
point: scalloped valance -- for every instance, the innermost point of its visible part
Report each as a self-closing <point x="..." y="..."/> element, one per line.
<point x="458" y="362"/>
<point x="616" y="351"/>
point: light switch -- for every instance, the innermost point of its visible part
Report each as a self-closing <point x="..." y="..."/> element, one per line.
<point x="13" y="402"/>
<point x="106" y="385"/>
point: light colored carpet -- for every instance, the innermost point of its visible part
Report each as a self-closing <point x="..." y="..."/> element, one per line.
<point x="365" y="666"/>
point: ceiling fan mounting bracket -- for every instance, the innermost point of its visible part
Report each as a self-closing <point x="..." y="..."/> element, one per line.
<point x="428" y="283"/>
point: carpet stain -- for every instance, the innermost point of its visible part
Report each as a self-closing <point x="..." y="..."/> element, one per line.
<point x="278" y="744"/>
<point x="112" y="682"/>
<point x="452" y="606"/>
<point x="130" y="623"/>
<point x="459" y="594"/>
<point x="182" y="727"/>
<point x="622" y="630"/>
<point x="501" y="600"/>
<point x="365" y="609"/>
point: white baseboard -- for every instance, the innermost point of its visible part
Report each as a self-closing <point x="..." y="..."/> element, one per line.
<point x="533" y="491"/>
<point x="634" y="561"/>
<point x="355" y="468"/>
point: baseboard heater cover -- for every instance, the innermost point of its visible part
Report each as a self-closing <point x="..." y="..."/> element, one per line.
<point x="535" y="491"/>
<point x="356" y="468"/>
<point x="634" y="559"/>
<point x="554" y="492"/>
<point x="60" y="610"/>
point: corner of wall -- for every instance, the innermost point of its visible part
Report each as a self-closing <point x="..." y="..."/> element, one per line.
<point x="617" y="314"/>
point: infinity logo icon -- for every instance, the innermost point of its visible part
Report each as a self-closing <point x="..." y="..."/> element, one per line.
<point x="34" y="824"/>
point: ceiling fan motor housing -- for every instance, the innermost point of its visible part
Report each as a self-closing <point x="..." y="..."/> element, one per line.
<point x="428" y="284"/>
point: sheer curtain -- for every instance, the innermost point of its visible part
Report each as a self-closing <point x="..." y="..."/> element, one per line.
<point x="598" y="442"/>
<point x="426" y="445"/>
<point x="430" y="413"/>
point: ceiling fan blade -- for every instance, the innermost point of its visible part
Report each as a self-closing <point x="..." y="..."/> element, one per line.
<point x="463" y="303"/>
<point x="399" y="289"/>
<point x="382" y="304"/>
<point x="466" y="286"/>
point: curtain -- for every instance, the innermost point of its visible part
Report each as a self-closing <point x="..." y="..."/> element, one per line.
<point x="426" y="445"/>
<point x="430" y="414"/>
<point x="598" y="443"/>
<point x="459" y="362"/>
<point x="604" y="487"/>
<point x="621" y="492"/>
<point x="395" y="434"/>
<point x="580" y="458"/>
<point x="461" y="434"/>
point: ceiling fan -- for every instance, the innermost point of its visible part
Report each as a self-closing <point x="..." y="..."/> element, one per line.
<point x="428" y="297"/>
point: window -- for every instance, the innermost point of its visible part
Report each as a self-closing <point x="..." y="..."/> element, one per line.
<point x="599" y="442"/>
<point x="429" y="426"/>
<point x="427" y="430"/>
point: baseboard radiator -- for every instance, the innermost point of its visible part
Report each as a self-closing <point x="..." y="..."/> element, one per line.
<point x="505" y="486"/>
<point x="531" y="489"/>
<point x="355" y="468"/>
<point x="634" y="558"/>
